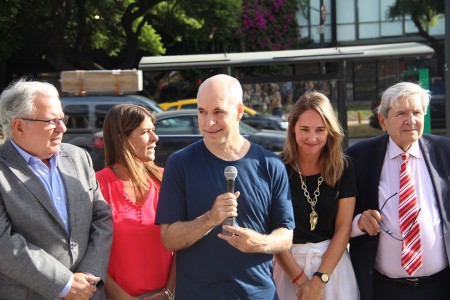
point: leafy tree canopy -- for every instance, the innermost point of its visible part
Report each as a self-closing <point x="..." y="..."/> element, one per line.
<point x="424" y="14"/>
<point x="81" y="33"/>
<point x="97" y="34"/>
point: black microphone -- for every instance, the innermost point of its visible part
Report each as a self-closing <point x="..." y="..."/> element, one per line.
<point x="230" y="175"/>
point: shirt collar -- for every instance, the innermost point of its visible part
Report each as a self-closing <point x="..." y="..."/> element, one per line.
<point x="394" y="150"/>
<point x="29" y="158"/>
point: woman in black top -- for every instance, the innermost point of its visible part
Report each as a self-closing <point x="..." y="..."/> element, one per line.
<point x="323" y="196"/>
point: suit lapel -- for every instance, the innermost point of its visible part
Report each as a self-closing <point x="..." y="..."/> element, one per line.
<point x="69" y="176"/>
<point x="26" y="175"/>
<point x="435" y="178"/>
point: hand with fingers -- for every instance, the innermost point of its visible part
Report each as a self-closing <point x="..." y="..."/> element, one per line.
<point x="225" y="206"/>
<point x="369" y="222"/>
<point x="245" y="240"/>
<point x="82" y="287"/>
<point x="311" y="290"/>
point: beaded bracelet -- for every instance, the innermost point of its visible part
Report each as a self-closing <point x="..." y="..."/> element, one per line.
<point x="298" y="277"/>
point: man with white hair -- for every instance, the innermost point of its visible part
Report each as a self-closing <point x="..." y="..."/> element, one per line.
<point x="55" y="226"/>
<point x="400" y="245"/>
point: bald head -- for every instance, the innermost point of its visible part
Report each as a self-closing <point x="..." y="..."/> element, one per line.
<point x="221" y="86"/>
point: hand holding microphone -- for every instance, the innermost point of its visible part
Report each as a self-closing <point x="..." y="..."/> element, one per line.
<point x="230" y="173"/>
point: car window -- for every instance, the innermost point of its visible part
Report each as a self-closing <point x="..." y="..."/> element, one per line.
<point x="189" y="106"/>
<point x="246" y="129"/>
<point x="100" y="113"/>
<point x="176" y="125"/>
<point x="78" y="116"/>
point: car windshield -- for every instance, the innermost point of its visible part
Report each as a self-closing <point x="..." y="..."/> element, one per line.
<point x="150" y="103"/>
<point x="246" y="129"/>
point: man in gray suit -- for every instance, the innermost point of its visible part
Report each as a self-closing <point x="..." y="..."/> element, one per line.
<point x="55" y="227"/>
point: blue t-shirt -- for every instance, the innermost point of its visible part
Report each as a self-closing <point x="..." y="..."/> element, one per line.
<point x="211" y="268"/>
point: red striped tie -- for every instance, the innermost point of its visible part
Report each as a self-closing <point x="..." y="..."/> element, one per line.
<point x="409" y="224"/>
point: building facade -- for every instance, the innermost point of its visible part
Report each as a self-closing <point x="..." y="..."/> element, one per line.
<point x="334" y="23"/>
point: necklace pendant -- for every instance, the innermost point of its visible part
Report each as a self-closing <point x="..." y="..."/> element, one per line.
<point x="313" y="216"/>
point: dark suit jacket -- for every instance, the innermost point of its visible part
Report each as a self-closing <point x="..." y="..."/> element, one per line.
<point x="368" y="157"/>
<point x="37" y="255"/>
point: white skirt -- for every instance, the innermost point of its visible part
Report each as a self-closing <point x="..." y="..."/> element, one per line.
<point x="342" y="284"/>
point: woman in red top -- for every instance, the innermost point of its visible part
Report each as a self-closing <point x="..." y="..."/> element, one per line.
<point x="140" y="267"/>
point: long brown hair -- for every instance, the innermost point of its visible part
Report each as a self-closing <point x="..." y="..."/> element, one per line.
<point x="332" y="159"/>
<point x="120" y="121"/>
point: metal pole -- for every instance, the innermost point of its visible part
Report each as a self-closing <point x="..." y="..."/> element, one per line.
<point x="322" y="22"/>
<point x="447" y="65"/>
<point x="342" y="102"/>
<point x="322" y="12"/>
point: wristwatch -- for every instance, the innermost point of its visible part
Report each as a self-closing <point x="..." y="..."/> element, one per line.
<point x="324" y="277"/>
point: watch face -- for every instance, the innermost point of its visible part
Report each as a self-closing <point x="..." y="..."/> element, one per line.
<point x="324" y="277"/>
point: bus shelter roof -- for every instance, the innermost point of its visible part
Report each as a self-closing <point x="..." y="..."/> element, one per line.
<point x="217" y="60"/>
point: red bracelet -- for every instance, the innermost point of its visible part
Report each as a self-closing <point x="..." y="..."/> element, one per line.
<point x="298" y="277"/>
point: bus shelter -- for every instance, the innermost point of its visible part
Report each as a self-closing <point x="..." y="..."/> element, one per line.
<point x="339" y="55"/>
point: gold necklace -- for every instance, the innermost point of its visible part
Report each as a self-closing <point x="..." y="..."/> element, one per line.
<point x="313" y="216"/>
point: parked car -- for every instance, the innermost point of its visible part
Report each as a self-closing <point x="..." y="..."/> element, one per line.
<point x="261" y="121"/>
<point x="177" y="129"/>
<point x="251" y="116"/>
<point x="436" y="107"/>
<point x="180" y="104"/>
<point x="86" y="115"/>
<point x="192" y="103"/>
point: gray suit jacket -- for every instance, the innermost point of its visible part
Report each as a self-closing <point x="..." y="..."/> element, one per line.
<point x="37" y="255"/>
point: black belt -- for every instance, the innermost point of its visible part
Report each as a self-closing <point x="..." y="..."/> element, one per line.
<point x="415" y="281"/>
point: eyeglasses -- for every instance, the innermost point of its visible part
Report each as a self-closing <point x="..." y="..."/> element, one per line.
<point x="53" y="122"/>
<point x="394" y="235"/>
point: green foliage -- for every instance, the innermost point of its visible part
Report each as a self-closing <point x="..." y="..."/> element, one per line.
<point x="191" y="27"/>
<point x="85" y="34"/>
<point x="150" y="41"/>
<point x="9" y="13"/>
<point x="425" y="11"/>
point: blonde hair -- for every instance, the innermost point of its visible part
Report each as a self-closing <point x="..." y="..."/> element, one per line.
<point x="332" y="159"/>
<point x="120" y="121"/>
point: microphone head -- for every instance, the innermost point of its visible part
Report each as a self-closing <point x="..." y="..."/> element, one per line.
<point x="230" y="173"/>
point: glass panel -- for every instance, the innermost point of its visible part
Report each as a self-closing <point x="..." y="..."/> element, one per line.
<point x="410" y="27"/>
<point x="391" y="28"/>
<point x="175" y="126"/>
<point x="439" y="28"/>
<point x="385" y="3"/>
<point x="345" y="11"/>
<point x="78" y="116"/>
<point x="369" y="30"/>
<point x="315" y="12"/>
<point x="388" y="74"/>
<point x="368" y="11"/>
<point x="346" y="32"/>
<point x="100" y="113"/>
<point x="364" y="83"/>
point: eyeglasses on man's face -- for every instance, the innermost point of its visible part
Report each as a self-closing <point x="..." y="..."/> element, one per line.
<point x="52" y="122"/>
<point x="392" y="234"/>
